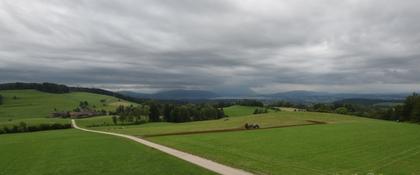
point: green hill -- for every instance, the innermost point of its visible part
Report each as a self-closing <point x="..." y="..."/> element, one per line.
<point x="20" y="104"/>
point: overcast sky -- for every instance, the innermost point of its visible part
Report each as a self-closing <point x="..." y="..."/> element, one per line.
<point x="262" y="46"/>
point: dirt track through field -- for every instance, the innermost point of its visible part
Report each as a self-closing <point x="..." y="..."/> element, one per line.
<point x="202" y="162"/>
<point x="311" y="122"/>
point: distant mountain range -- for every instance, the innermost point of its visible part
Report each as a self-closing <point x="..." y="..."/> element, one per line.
<point x="325" y="97"/>
<point x="174" y="95"/>
<point x="291" y="96"/>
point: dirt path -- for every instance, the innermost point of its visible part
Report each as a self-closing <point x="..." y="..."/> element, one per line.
<point x="202" y="162"/>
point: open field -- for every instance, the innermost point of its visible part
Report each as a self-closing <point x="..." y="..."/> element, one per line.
<point x="369" y="146"/>
<point x="263" y="120"/>
<point x="36" y="104"/>
<point x="345" y="145"/>
<point x="237" y="110"/>
<point x="68" y="152"/>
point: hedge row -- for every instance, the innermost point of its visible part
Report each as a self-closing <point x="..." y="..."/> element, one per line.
<point x="23" y="127"/>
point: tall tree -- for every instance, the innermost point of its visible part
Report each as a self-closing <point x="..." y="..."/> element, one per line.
<point x="154" y="113"/>
<point x="167" y="110"/>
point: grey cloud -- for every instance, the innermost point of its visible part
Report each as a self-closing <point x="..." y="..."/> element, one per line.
<point x="219" y="45"/>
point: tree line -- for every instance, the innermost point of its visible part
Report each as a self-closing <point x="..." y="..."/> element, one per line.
<point x="1" y="99"/>
<point x="408" y="111"/>
<point x="190" y="112"/>
<point x="44" y="87"/>
<point x="24" y="127"/>
<point x="156" y="112"/>
<point x="59" y="88"/>
<point x="131" y="114"/>
<point x="248" y="102"/>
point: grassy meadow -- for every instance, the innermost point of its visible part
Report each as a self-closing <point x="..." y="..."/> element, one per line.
<point x="237" y="110"/>
<point x="348" y="148"/>
<point x="345" y="145"/>
<point x="68" y="152"/>
<point x="36" y="104"/>
<point x="273" y="119"/>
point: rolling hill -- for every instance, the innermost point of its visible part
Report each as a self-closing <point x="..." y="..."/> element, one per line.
<point x="18" y="104"/>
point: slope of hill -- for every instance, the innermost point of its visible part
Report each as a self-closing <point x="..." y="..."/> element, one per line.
<point x="34" y="104"/>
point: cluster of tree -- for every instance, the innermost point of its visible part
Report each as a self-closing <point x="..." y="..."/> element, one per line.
<point x="248" y="102"/>
<point x="190" y="112"/>
<point x="83" y="105"/>
<point x="44" y="87"/>
<point x="282" y="104"/>
<point x="350" y="109"/>
<point x="1" y="99"/>
<point x="170" y="112"/>
<point x="131" y="114"/>
<point x="409" y="111"/>
<point x="23" y="127"/>
<point x="260" y="110"/>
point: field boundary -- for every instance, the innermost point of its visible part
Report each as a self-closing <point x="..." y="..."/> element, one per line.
<point x="311" y="122"/>
<point x="202" y="162"/>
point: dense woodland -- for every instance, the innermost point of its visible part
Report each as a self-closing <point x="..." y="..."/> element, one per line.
<point x="156" y="112"/>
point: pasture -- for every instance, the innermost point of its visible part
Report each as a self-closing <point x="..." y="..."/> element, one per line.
<point x="237" y="110"/>
<point x="274" y="119"/>
<point x="68" y="152"/>
<point x="345" y="145"/>
<point x="343" y="148"/>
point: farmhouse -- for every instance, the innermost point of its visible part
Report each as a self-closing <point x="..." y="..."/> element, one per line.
<point x="83" y="114"/>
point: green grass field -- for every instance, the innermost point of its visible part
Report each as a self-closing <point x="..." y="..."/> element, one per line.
<point x="68" y="152"/>
<point x="361" y="147"/>
<point x="36" y="104"/>
<point x="264" y="120"/>
<point x="346" y="145"/>
<point x="236" y="110"/>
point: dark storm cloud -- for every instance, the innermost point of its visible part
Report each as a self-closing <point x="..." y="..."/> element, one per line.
<point x="233" y="45"/>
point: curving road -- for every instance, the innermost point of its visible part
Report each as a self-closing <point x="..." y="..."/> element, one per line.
<point x="202" y="162"/>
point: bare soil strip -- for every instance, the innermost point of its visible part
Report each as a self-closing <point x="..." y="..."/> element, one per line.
<point x="311" y="122"/>
<point x="202" y="162"/>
